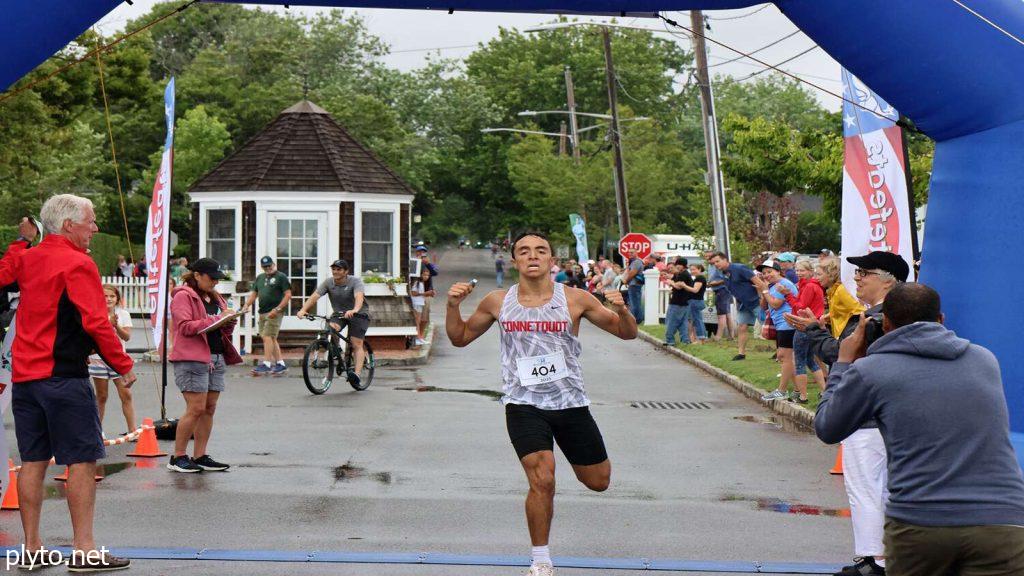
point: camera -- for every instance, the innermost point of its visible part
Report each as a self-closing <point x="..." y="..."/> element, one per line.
<point x="873" y="330"/>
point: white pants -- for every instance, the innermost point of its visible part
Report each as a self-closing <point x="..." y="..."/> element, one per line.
<point x="866" y="477"/>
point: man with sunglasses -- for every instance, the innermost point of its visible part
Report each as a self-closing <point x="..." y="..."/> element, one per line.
<point x="864" y="456"/>
<point x="274" y="292"/>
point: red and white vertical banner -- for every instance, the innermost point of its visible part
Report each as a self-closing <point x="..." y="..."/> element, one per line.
<point x="876" y="211"/>
<point x="158" y="227"/>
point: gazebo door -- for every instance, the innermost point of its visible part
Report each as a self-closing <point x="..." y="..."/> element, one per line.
<point x="297" y="242"/>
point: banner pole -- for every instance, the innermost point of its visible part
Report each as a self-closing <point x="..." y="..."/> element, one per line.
<point x="910" y="197"/>
<point x="163" y="357"/>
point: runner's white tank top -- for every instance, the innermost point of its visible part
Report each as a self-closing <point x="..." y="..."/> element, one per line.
<point x="540" y="356"/>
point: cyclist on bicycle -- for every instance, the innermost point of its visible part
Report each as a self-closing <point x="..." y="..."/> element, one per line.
<point x="348" y="299"/>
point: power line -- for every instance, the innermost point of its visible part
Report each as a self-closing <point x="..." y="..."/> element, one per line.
<point x="776" y="68"/>
<point x="95" y="51"/>
<point x="989" y="22"/>
<point x="741" y="16"/>
<point x="786" y="61"/>
<point x="765" y="47"/>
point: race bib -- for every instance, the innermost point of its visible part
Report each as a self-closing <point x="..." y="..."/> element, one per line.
<point x="537" y="370"/>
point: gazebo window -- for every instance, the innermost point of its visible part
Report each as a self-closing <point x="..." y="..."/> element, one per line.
<point x="377" y="239"/>
<point x="220" y="237"/>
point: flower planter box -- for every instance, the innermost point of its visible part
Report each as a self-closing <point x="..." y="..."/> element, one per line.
<point x="382" y="289"/>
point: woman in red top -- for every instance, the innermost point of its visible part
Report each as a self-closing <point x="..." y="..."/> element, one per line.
<point x="810" y="296"/>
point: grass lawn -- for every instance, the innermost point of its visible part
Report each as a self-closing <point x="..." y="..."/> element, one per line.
<point x="758" y="368"/>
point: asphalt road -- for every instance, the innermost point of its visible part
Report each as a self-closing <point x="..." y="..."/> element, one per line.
<point x="396" y="470"/>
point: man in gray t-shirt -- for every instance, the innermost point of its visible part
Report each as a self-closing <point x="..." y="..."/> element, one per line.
<point x="348" y="299"/>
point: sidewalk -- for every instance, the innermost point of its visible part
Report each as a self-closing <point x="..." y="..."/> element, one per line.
<point x="794" y="412"/>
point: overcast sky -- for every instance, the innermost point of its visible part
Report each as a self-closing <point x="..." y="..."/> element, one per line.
<point x="413" y="34"/>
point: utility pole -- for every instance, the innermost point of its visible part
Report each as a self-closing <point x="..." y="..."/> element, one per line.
<point x="570" y="93"/>
<point x="712" y="149"/>
<point x="561" y="140"/>
<point x="621" y="201"/>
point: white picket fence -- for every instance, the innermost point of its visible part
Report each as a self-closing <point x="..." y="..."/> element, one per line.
<point x="133" y="292"/>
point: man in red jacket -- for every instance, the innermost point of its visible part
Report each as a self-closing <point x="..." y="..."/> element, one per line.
<point x="61" y="319"/>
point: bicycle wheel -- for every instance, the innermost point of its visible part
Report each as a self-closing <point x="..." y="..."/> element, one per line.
<point x="318" y="366"/>
<point x="366" y="374"/>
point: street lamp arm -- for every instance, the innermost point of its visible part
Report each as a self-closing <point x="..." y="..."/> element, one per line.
<point x="536" y="112"/>
<point x="489" y="130"/>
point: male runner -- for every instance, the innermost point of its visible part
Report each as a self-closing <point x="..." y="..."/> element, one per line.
<point x="545" y="401"/>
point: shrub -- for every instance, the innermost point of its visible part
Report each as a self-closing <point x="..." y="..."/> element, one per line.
<point x="103" y="249"/>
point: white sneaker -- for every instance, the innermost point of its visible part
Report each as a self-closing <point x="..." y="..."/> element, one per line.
<point x="420" y="341"/>
<point x="541" y="570"/>
<point x="775" y="395"/>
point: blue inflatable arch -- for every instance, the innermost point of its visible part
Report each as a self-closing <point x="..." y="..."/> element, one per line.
<point x="959" y="78"/>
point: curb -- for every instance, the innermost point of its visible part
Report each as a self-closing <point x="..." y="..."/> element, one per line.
<point x="422" y="357"/>
<point x="797" y="414"/>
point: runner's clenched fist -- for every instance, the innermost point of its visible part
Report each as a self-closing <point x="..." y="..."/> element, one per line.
<point x="458" y="292"/>
<point x="614" y="297"/>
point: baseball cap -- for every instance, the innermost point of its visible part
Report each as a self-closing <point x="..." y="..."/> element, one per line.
<point x="886" y="261"/>
<point x="770" y="264"/>
<point x="421" y="248"/>
<point x="786" y="257"/>
<point x="340" y="263"/>
<point x="680" y="261"/>
<point x="266" y="261"/>
<point x="207" y="266"/>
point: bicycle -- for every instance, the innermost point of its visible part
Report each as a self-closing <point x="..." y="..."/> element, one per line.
<point x="323" y="359"/>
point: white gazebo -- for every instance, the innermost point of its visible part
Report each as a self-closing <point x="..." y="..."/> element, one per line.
<point x="306" y="193"/>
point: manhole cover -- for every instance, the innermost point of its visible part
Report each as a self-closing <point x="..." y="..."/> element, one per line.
<point x="651" y="404"/>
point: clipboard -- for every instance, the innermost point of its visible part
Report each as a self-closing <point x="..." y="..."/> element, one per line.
<point x="219" y="323"/>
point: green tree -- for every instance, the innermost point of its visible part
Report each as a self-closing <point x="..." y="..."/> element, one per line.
<point x="200" y="142"/>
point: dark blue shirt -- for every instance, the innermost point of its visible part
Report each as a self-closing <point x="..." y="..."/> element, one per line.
<point x="791" y="276"/>
<point x="737" y="280"/>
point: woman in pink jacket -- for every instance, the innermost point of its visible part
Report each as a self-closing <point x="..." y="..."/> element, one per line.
<point x="199" y="361"/>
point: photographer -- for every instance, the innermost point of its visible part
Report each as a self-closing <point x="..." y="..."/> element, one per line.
<point x="864" y="457"/>
<point x="957" y="494"/>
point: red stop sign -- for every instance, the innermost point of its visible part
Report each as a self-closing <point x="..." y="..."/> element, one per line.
<point x="635" y="241"/>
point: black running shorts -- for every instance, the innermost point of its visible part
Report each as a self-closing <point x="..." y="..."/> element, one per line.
<point x="784" y="338"/>
<point x="574" y="429"/>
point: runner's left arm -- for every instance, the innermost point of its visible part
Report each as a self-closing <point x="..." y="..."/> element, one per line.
<point x="616" y="321"/>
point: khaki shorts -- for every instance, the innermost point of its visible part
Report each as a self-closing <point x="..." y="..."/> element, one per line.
<point x="269" y="327"/>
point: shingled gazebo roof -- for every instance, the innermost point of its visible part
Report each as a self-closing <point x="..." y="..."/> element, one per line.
<point x="303" y="150"/>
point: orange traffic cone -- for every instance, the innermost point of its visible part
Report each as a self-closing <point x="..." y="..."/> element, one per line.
<point x="837" y="468"/>
<point x="147" y="447"/>
<point x="11" y="497"/>
<point x="63" y="477"/>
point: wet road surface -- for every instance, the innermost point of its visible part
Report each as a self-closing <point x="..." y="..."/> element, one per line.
<point x="421" y="462"/>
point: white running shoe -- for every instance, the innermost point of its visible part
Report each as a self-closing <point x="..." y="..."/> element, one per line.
<point x="541" y="570"/>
